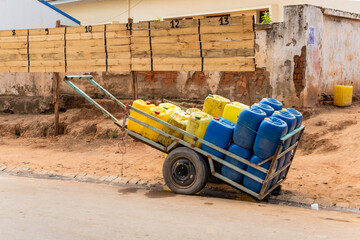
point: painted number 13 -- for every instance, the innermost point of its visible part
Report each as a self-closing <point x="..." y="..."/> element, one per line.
<point x="224" y="21"/>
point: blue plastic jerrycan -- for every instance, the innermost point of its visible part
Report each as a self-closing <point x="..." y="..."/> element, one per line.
<point x="219" y="132"/>
<point x="265" y="107"/>
<point x="241" y="152"/>
<point x="269" y="134"/>
<point x="247" y="126"/>
<point x="251" y="183"/>
<point x="275" y="104"/>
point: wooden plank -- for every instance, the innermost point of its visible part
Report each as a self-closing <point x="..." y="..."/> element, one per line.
<point x="85" y="36"/>
<point x="228" y="45"/>
<point x="13" y="45"/>
<point x="118" y="34"/>
<point x="13" y="57"/>
<point x="119" y="55"/>
<point x="228" y="53"/>
<point x="13" y="39"/>
<point x="90" y="62"/>
<point x="46" y="56"/>
<point x="178" y="67"/>
<point x="86" y="43"/>
<point x="174" y="61"/>
<point x="115" y="49"/>
<point x="13" y="51"/>
<point x="86" y="29"/>
<point x="84" y="55"/>
<point x="47" y="31"/>
<point x="228" y="61"/>
<point x="85" y="49"/>
<point x="236" y="68"/>
<point x="13" y="33"/>
<point x="46" y="38"/>
<point x="119" y="61"/>
<point x="176" y="53"/>
<point x="226" y="29"/>
<point x="177" y="46"/>
<point x="14" y="69"/>
<point x="227" y="36"/>
<point x="141" y="61"/>
<point x="14" y="64"/>
<point x="227" y="21"/>
<point x="45" y="50"/>
<point x="175" y="39"/>
<point x="120" y="41"/>
<point x="174" y="24"/>
<point x="47" y="44"/>
<point x="166" y="32"/>
<point x="86" y="68"/>
<point x="140" y="67"/>
<point x="48" y="63"/>
<point x="116" y="27"/>
<point x="47" y="69"/>
<point x="120" y="68"/>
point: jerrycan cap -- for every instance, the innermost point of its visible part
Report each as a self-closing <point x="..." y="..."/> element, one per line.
<point x="166" y="108"/>
<point x="267" y="119"/>
<point x="211" y="95"/>
<point x="216" y="118"/>
<point x="197" y="117"/>
<point x="229" y="103"/>
<point x="156" y="112"/>
<point x="284" y="109"/>
<point x="277" y="112"/>
<point x="148" y="103"/>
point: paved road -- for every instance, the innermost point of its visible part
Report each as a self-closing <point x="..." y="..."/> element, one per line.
<point x="52" y="209"/>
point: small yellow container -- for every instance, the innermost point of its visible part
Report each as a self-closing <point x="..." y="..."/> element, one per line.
<point x="197" y="125"/>
<point x="178" y="119"/>
<point x="233" y="110"/>
<point x="214" y="105"/>
<point x="170" y="107"/>
<point x="143" y="106"/>
<point x="160" y="113"/>
<point x="343" y="95"/>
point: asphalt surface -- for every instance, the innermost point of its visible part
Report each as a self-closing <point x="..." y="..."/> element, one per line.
<point x="53" y="209"/>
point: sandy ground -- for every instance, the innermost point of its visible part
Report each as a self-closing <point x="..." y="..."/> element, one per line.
<point x="326" y="166"/>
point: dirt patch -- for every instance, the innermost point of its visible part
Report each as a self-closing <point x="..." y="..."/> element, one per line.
<point x="326" y="166"/>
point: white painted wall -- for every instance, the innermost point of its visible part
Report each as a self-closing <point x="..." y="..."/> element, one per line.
<point x="28" y="14"/>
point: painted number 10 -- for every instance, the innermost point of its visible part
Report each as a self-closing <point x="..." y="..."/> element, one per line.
<point x="88" y="28"/>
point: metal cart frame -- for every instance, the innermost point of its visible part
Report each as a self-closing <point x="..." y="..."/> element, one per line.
<point x="271" y="173"/>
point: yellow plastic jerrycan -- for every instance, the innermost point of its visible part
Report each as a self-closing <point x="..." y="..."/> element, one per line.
<point x="178" y="119"/>
<point x="343" y="95"/>
<point x="214" y="105"/>
<point x="170" y="107"/>
<point x="143" y="106"/>
<point x="191" y="110"/>
<point x="197" y="125"/>
<point x="233" y="110"/>
<point x="160" y="113"/>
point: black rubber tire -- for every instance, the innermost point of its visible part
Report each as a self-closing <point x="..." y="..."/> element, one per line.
<point x="183" y="157"/>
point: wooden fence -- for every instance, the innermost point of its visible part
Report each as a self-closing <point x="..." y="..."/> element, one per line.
<point x="210" y="44"/>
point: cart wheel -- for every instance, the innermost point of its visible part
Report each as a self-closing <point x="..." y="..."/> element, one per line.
<point x="185" y="171"/>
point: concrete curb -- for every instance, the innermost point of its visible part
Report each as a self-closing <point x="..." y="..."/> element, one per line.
<point x="209" y="191"/>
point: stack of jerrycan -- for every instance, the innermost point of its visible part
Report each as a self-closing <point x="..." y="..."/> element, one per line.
<point x="291" y="123"/>
<point x="243" y="140"/>
<point x="143" y="106"/>
<point x="298" y="122"/>
<point x="178" y="119"/>
<point x="214" y="105"/>
<point x="266" y="142"/>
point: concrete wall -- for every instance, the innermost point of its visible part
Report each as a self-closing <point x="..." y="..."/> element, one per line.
<point x="105" y="11"/>
<point x="290" y="68"/>
<point x="28" y="14"/>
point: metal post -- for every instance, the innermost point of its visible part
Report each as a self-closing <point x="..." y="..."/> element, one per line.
<point x="56" y="101"/>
